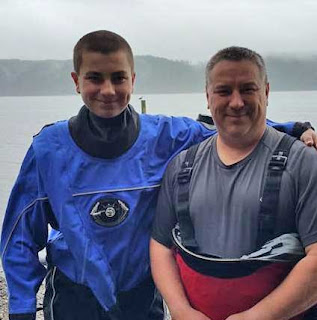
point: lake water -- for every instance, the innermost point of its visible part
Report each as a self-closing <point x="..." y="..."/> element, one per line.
<point x="22" y="117"/>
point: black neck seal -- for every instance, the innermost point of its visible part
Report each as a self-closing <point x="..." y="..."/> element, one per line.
<point x="105" y="137"/>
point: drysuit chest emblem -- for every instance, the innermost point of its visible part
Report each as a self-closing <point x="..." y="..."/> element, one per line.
<point x="109" y="212"/>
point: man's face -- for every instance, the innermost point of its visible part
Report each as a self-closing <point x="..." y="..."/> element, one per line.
<point x="105" y="82"/>
<point x="237" y="98"/>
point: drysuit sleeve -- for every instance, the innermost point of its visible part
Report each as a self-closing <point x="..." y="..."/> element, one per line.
<point x="24" y="234"/>
<point x="295" y="129"/>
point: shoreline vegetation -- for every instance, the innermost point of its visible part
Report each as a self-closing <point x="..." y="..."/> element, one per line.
<point x="154" y="75"/>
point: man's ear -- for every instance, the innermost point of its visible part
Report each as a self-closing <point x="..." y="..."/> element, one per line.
<point x="207" y="96"/>
<point x="267" y="91"/>
<point x="76" y="81"/>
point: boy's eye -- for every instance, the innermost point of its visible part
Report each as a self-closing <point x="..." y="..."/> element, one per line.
<point x="118" y="79"/>
<point x="93" y="78"/>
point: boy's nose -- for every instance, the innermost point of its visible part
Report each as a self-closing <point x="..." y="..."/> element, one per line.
<point x="107" y="88"/>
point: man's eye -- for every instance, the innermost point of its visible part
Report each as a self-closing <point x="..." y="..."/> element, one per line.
<point x="248" y="90"/>
<point x="222" y="92"/>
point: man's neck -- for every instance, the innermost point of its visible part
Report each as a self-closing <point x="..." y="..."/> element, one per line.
<point x="232" y="150"/>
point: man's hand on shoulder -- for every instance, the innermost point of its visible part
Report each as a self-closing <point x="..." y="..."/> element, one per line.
<point x="309" y="137"/>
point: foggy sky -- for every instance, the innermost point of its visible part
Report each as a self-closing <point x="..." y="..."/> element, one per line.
<point x="174" y="29"/>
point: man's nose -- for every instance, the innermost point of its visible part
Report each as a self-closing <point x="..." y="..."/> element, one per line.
<point x="236" y="100"/>
<point x="107" y="88"/>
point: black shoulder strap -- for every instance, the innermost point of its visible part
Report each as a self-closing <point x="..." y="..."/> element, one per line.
<point x="183" y="215"/>
<point x="269" y="203"/>
<point x="270" y="197"/>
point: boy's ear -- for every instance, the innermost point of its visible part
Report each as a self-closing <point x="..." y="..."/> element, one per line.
<point x="76" y="81"/>
<point x="133" y="80"/>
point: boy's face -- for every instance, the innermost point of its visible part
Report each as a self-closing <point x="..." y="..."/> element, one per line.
<point x="105" y="82"/>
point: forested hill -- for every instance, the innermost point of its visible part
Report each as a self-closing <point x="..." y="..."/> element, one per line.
<point x="154" y="75"/>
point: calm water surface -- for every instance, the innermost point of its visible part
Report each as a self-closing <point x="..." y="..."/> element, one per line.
<point x="22" y="117"/>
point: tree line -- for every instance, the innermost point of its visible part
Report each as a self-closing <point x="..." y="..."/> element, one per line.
<point x="154" y="75"/>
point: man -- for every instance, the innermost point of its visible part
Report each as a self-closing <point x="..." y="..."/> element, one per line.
<point x="225" y="208"/>
<point x="95" y="180"/>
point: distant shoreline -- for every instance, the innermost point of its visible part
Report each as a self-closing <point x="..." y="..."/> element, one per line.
<point x="136" y="94"/>
<point x="154" y="75"/>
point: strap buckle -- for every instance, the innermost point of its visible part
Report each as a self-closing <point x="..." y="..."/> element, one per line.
<point x="184" y="175"/>
<point x="278" y="162"/>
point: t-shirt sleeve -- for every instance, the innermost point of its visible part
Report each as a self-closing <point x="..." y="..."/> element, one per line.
<point x="305" y="172"/>
<point x="165" y="217"/>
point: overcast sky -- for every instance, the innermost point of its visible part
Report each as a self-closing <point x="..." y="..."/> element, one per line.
<point x="175" y="29"/>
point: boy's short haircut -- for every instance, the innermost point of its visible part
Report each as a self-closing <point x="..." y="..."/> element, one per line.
<point x="101" y="41"/>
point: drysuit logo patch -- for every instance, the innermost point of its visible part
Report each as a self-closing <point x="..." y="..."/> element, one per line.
<point x="109" y="212"/>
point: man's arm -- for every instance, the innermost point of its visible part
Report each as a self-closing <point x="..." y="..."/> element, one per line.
<point x="298" y="291"/>
<point x="167" y="279"/>
<point x="296" y="294"/>
<point x="163" y="265"/>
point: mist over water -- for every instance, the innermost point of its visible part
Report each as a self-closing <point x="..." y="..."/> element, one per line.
<point x="23" y="117"/>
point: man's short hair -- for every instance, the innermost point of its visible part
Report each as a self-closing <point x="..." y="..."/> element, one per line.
<point x="101" y="41"/>
<point x="237" y="54"/>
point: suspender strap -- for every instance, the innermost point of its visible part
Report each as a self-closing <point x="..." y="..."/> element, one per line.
<point x="269" y="203"/>
<point x="183" y="215"/>
<point x="270" y="197"/>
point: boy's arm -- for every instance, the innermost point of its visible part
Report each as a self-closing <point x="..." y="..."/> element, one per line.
<point x="295" y="129"/>
<point x="309" y="137"/>
<point x="24" y="234"/>
<point x="300" y="130"/>
<point x="167" y="279"/>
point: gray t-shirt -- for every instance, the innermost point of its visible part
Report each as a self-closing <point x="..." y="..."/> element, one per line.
<point x="225" y="200"/>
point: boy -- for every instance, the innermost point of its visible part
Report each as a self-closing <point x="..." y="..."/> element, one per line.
<point x="95" y="180"/>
